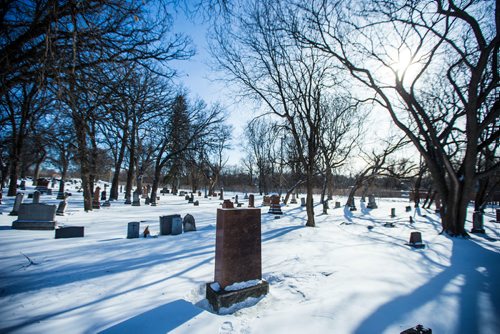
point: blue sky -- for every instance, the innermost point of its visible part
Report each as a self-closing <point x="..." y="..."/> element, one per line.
<point x="201" y="81"/>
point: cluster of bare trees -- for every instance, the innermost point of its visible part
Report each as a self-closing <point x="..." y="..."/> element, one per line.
<point x="432" y="65"/>
<point x="87" y="83"/>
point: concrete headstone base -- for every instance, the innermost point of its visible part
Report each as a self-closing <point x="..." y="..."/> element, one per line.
<point x="224" y="299"/>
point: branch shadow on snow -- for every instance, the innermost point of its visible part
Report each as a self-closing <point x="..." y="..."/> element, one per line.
<point x="470" y="263"/>
<point x="159" y="320"/>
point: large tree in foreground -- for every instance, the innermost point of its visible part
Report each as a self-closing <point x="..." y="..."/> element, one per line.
<point x="433" y="65"/>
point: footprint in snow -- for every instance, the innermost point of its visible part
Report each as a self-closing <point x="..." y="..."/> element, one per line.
<point x="226" y="328"/>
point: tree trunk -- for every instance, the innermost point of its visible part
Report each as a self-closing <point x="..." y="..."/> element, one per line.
<point x="309" y="198"/>
<point x="156" y="182"/>
<point x="14" y="163"/>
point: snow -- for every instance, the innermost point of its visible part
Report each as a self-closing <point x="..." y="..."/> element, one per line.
<point x="242" y="285"/>
<point x="339" y="277"/>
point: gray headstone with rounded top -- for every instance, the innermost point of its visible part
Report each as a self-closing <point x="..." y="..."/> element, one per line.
<point x="188" y="223"/>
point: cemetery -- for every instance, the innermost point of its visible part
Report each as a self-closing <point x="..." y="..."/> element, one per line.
<point x="187" y="276"/>
<point x="250" y="166"/>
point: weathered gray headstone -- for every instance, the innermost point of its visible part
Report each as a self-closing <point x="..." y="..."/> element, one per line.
<point x="136" y="201"/>
<point x="61" y="208"/>
<point x="17" y="204"/>
<point x="393" y="212"/>
<point x="69" y="232"/>
<point x="176" y="225"/>
<point x="133" y="230"/>
<point x="35" y="216"/>
<point x="337" y="205"/>
<point x="478" y="222"/>
<point x="408" y="208"/>
<point x="22" y="186"/>
<point x="302" y="201"/>
<point x="196" y="203"/>
<point x="166" y="224"/>
<point x="189" y="223"/>
<point x="36" y="197"/>
<point x="294" y="199"/>
<point x="416" y="240"/>
<point x="251" y="201"/>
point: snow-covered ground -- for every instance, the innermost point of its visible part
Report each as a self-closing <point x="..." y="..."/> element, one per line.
<point x="340" y="277"/>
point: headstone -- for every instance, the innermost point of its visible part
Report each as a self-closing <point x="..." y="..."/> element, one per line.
<point x="35" y="216"/>
<point x="136" y="201"/>
<point x="182" y="193"/>
<point x="133" y="230"/>
<point x="275" y="207"/>
<point x="196" y="203"/>
<point x="246" y="196"/>
<point x="188" y="223"/>
<point x="478" y="222"/>
<point x="227" y="204"/>
<point x="61" y="195"/>
<point x="498" y="215"/>
<point x="418" y="329"/>
<point x="408" y="208"/>
<point x="147" y="201"/>
<point x="95" y="200"/>
<point x="337" y="205"/>
<point x="371" y="202"/>
<point x="22" y="186"/>
<point x="53" y="184"/>
<point x="236" y="199"/>
<point x="411" y="220"/>
<point x="302" y="201"/>
<point x="61" y="208"/>
<point x="199" y="193"/>
<point x="36" y="197"/>
<point x="166" y="224"/>
<point x="30" y="195"/>
<point x="416" y="240"/>
<point x="266" y="201"/>
<point x="42" y="185"/>
<point x="121" y="189"/>
<point x="103" y="195"/>
<point x="221" y="196"/>
<point x="176" y="226"/>
<point x="393" y="212"/>
<point x="17" y="204"/>
<point x="251" y="201"/>
<point x="293" y="200"/>
<point x="237" y="257"/>
<point x="69" y="232"/>
<point x="191" y="198"/>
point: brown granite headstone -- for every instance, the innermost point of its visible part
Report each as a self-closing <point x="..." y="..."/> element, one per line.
<point x="238" y="246"/>
<point x="251" y="201"/>
<point x="275" y="207"/>
<point x="227" y="204"/>
<point x="95" y="202"/>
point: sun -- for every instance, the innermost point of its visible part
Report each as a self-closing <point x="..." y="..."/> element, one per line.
<point x="404" y="65"/>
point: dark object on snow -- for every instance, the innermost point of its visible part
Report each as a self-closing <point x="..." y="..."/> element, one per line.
<point x="133" y="230"/>
<point x="166" y="224"/>
<point x="408" y="208"/>
<point x="418" y="329"/>
<point x="369" y="228"/>
<point x="478" y="222"/>
<point x="416" y="240"/>
<point x="411" y="220"/>
<point x="220" y="299"/>
<point x="146" y="233"/>
<point x="389" y="225"/>
<point x="69" y="232"/>
<point x="393" y="212"/>
<point x="188" y="223"/>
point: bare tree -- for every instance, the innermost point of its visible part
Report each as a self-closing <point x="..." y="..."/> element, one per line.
<point x="401" y="50"/>
<point x="289" y="79"/>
